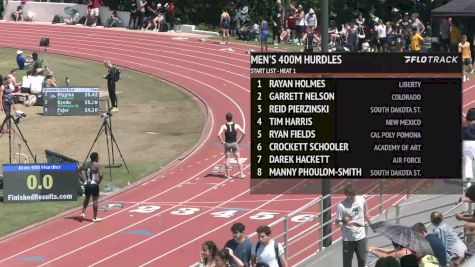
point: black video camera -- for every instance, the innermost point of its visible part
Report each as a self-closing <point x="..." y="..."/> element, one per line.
<point x="19" y="115"/>
<point x="106" y="114"/>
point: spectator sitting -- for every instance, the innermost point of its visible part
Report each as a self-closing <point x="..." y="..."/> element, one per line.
<point x="37" y="82"/>
<point x="333" y="31"/>
<point x="16" y="15"/>
<point x="49" y="80"/>
<point x="366" y="47"/>
<point x="36" y="89"/>
<point x="159" y="18"/>
<point x="26" y="82"/>
<point x="29" y="16"/>
<point x="114" y="20"/>
<point x="397" y="252"/>
<point x="434" y="241"/>
<point x="453" y="244"/>
<point x="74" y="19"/>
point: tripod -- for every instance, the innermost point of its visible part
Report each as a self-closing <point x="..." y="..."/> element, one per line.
<point x="8" y="121"/>
<point x="44" y="42"/>
<point x="107" y="129"/>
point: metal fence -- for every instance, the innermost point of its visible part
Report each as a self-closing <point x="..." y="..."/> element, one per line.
<point x="424" y="211"/>
<point x="307" y="222"/>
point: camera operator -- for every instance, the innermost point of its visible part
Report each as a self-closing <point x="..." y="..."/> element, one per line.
<point x="36" y="63"/>
<point x="6" y="94"/>
<point x="111" y="77"/>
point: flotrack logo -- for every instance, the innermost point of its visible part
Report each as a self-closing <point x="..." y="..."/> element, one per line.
<point x="432" y="59"/>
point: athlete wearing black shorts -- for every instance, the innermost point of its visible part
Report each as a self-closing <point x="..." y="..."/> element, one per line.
<point x="93" y="174"/>
<point x="231" y="142"/>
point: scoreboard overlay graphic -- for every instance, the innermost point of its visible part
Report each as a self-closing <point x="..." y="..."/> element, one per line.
<point x="362" y="123"/>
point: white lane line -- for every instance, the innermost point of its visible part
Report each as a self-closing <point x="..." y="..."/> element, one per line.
<point x="129" y="226"/>
<point x="194" y="217"/>
<point x="119" y="212"/>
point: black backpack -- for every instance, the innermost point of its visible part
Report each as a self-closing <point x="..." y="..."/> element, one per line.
<point x="276" y="250"/>
<point x="117" y="74"/>
<point x="56" y="19"/>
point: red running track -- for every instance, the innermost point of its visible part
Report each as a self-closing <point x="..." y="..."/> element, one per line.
<point x="170" y="213"/>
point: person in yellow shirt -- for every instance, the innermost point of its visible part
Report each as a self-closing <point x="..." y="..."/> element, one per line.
<point x="416" y="41"/>
<point x="455" y="36"/>
<point x="464" y="48"/>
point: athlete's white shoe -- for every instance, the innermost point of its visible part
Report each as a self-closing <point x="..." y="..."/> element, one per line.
<point x="97" y="220"/>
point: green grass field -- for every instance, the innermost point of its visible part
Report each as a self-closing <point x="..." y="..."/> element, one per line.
<point x="145" y="129"/>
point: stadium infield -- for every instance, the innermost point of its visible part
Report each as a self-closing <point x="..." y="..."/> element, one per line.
<point x="144" y="129"/>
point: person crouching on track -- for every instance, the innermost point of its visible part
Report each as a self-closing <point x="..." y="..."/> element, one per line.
<point x="93" y="174"/>
<point x="231" y="143"/>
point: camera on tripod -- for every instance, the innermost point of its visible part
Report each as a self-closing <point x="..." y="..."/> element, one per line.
<point x="19" y="115"/>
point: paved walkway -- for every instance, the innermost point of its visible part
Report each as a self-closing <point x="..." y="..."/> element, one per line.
<point x="447" y="197"/>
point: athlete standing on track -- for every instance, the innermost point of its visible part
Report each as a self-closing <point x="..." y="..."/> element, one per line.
<point x="224" y="22"/>
<point x="93" y="173"/>
<point x="231" y="143"/>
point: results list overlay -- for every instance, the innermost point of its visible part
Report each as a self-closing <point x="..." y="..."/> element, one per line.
<point x="377" y="116"/>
